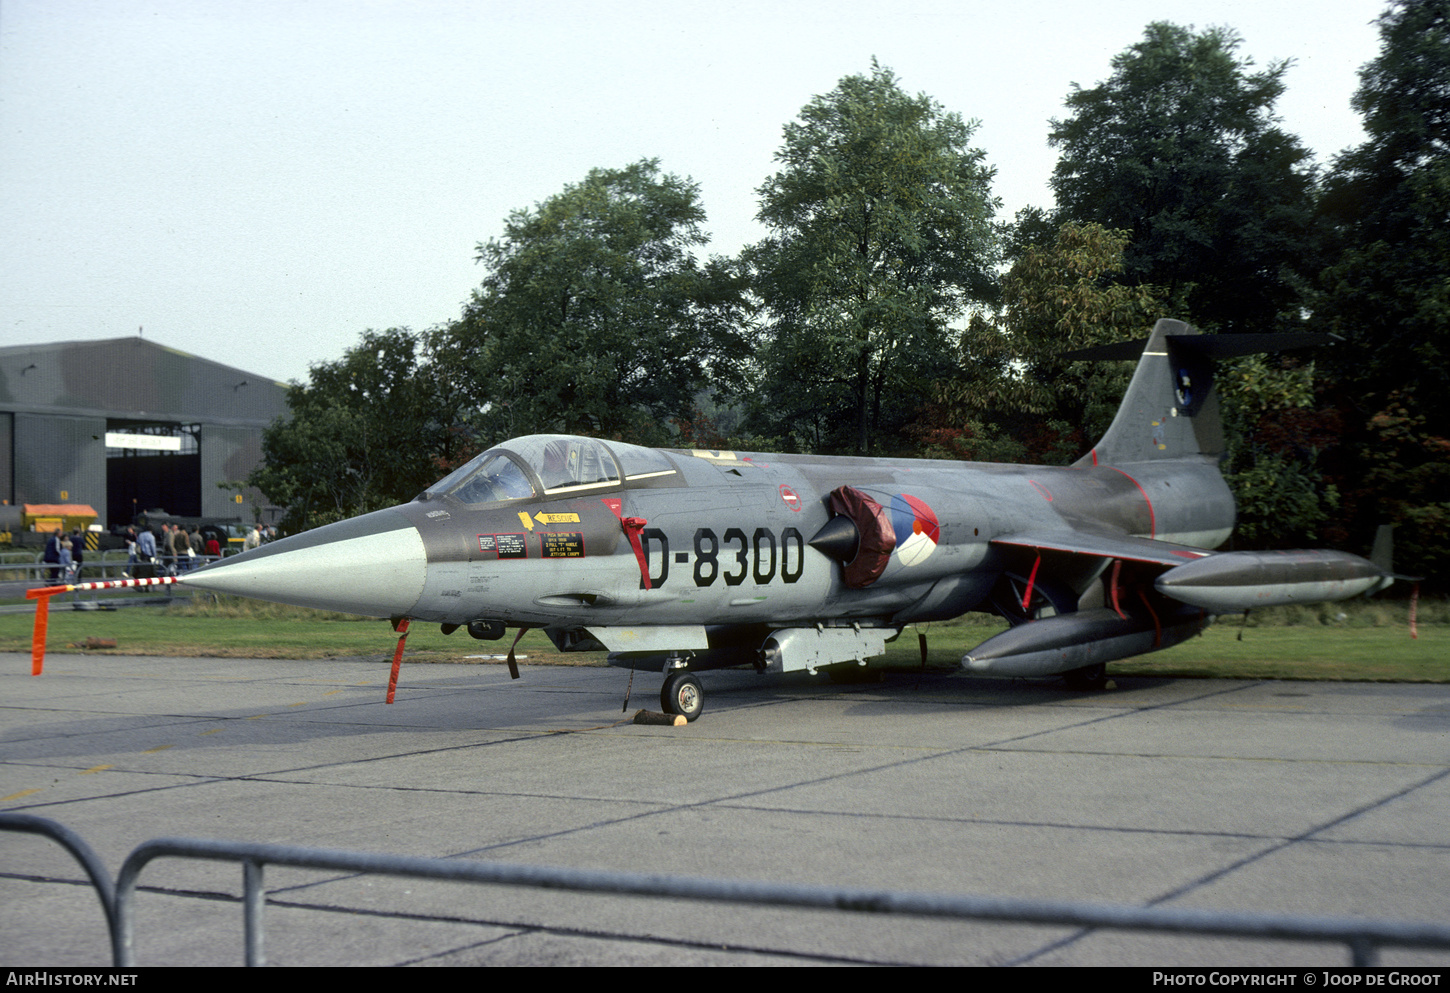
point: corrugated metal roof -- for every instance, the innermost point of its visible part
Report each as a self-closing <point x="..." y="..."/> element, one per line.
<point x="134" y="378"/>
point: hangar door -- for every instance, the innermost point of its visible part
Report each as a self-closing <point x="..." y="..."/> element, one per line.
<point x="152" y="465"/>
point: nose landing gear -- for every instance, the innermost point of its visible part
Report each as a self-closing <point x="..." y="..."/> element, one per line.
<point x="682" y="694"/>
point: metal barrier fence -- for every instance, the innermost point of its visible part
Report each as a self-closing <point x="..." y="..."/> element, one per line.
<point x="30" y="568"/>
<point x="98" y="567"/>
<point x="1363" y="938"/>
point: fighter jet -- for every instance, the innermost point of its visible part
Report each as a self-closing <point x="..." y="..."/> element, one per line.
<point x="678" y="561"/>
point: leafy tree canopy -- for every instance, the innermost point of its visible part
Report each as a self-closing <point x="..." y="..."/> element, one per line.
<point x="1409" y="475"/>
<point x="366" y="432"/>
<point x="1405" y="93"/>
<point x="1015" y="399"/>
<point x="594" y="317"/>
<point x="881" y="233"/>
<point x="1277" y="435"/>
<point x="1180" y="147"/>
<point x="1388" y="291"/>
<point x="1386" y="206"/>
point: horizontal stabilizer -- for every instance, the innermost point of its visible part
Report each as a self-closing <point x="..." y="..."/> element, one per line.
<point x="1213" y="346"/>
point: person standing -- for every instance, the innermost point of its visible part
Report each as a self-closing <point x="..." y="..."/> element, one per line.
<point x="77" y="554"/>
<point x="66" y="561"/>
<point x="146" y="554"/>
<point x="181" y="549"/>
<point x="52" y="556"/>
<point x="130" y="553"/>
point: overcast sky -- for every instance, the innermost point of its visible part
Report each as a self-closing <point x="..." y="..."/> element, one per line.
<point x="257" y="182"/>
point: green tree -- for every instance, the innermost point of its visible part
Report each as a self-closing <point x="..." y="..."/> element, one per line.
<point x="1014" y="397"/>
<point x="367" y="431"/>
<point x="1180" y="147"/>
<point x="1388" y="291"/>
<point x="1386" y="206"/>
<point x="1277" y="433"/>
<point x="881" y="233"/>
<point x="1409" y="476"/>
<point x="594" y="317"/>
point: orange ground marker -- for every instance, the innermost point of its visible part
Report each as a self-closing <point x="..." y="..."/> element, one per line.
<point x="37" y="637"/>
<point x="402" y="628"/>
<point x="42" y="620"/>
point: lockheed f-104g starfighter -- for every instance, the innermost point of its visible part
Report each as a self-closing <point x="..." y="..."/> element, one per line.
<point x="680" y="561"/>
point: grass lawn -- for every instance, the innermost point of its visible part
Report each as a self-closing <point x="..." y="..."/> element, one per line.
<point x="1360" y="641"/>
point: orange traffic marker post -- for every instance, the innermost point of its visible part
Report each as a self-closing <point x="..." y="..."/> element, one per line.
<point x="1414" y="602"/>
<point x="42" y="620"/>
<point x="400" y="626"/>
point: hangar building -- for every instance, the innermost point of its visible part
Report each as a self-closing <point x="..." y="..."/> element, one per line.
<point x="127" y="425"/>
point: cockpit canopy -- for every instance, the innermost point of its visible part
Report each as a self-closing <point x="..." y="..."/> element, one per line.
<point x="547" y="465"/>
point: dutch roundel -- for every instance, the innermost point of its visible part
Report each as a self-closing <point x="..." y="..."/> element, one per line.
<point x="917" y="530"/>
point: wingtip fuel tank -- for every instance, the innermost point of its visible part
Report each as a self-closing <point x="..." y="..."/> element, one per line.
<point x="1234" y="581"/>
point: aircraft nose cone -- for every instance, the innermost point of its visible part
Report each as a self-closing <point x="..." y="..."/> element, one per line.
<point x="373" y="565"/>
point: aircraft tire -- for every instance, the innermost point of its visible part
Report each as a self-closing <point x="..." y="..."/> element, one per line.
<point x="1091" y="677"/>
<point x="682" y="694"/>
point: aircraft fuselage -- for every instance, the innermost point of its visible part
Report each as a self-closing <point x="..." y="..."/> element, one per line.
<point x="726" y="540"/>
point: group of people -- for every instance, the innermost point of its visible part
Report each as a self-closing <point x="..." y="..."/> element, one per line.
<point x="65" y="553"/>
<point x="169" y="552"/>
<point x="175" y="549"/>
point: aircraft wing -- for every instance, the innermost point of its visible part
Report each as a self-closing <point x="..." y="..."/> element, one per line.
<point x="1221" y="582"/>
<point x="1105" y="544"/>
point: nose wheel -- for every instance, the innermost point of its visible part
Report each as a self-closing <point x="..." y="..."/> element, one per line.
<point x="682" y="694"/>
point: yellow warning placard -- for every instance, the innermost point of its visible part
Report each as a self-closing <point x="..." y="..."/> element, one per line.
<point x="557" y="518"/>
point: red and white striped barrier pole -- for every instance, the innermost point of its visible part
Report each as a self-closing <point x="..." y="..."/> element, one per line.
<point x="42" y="597"/>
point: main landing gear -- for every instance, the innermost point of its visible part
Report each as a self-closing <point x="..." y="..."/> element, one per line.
<point x="682" y="694"/>
<point x="1088" y="678"/>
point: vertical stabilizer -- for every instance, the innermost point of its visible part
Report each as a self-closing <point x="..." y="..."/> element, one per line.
<point x="1383" y="553"/>
<point x="1170" y="410"/>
